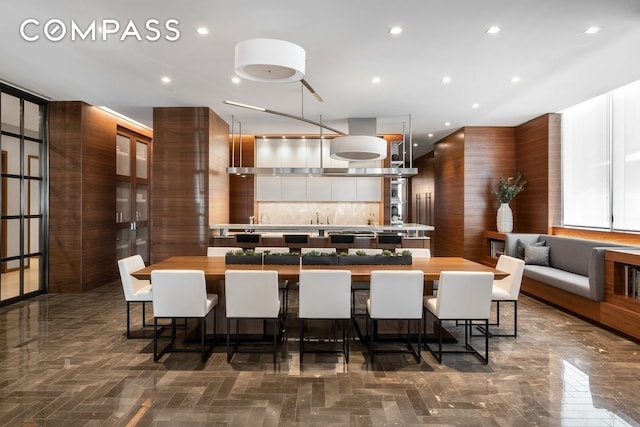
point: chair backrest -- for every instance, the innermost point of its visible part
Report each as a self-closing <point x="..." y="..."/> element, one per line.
<point x="464" y="295"/>
<point x="417" y="252"/>
<point x="511" y="283"/>
<point x="296" y="238"/>
<point x="273" y="249"/>
<point x="251" y="293"/>
<point x="389" y="239"/>
<point x="130" y="285"/>
<point x="396" y="294"/>
<point x="179" y="293"/>
<point x="321" y="250"/>
<point x="325" y="294"/>
<point x="220" y="250"/>
<point x="368" y="251"/>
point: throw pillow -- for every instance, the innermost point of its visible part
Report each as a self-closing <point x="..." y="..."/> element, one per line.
<point x="536" y="255"/>
<point x="520" y="245"/>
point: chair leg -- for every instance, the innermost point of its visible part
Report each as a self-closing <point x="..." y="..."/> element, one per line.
<point x="301" y="339"/>
<point x="128" y="320"/>
<point x="229" y="355"/>
<point x="345" y="338"/>
<point x="155" y="338"/>
<point x="203" y="328"/>
<point x="275" y="340"/>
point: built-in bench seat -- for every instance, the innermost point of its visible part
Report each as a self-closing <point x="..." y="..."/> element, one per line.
<point x="574" y="276"/>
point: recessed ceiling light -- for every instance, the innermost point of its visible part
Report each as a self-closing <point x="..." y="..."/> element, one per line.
<point x="235" y="79"/>
<point x="447" y="123"/>
<point x="476" y="106"/>
<point x="395" y="30"/>
<point x="493" y="30"/>
<point x="592" y="30"/>
<point x="515" y="79"/>
<point x="166" y="79"/>
<point x="430" y="135"/>
<point x="446" y="80"/>
<point x="415" y="144"/>
<point x="203" y="31"/>
<point x="375" y="80"/>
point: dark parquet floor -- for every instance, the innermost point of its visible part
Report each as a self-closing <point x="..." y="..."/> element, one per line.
<point x="64" y="361"/>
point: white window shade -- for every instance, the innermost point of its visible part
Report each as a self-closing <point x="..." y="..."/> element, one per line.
<point x="626" y="157"/>
<point x="585" y="174"/>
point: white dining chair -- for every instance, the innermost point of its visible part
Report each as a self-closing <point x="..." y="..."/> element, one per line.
<point x="395" y="295"/>
<point x="182" y="294"/>
<point x="220" y="250"/>
<point x="360" y="286"/>
<point x="324" y="295"/>
<point x="507" y="290"/>
<point x="251" y="294"/>
<point x="462" y="296"/>
<point x="135" y="290"/>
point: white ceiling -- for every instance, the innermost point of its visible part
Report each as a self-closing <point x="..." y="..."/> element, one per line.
<point x="347" y="43"/>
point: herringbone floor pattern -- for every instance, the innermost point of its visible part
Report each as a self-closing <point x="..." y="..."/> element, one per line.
<point x="65" y="362"/>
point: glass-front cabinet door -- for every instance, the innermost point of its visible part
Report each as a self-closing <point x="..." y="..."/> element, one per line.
<point x="132" y="194"/>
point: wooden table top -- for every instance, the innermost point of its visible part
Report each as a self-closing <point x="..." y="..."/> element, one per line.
<point x="215" y="267"/>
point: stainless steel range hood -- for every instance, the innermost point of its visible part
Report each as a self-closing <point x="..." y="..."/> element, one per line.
<point x="364" y="172"/>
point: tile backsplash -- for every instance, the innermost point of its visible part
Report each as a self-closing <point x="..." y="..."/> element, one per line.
<point x="336" y="213"/>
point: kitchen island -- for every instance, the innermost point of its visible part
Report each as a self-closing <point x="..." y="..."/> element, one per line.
<point x="321" y="230"/>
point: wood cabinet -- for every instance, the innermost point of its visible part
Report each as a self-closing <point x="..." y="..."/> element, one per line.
<point x="621" y="308"/>
<point x="82" y="199"/>
<point x="133" y="152"/>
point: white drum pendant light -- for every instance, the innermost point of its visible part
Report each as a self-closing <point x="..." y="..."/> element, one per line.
<point x="355" y="148"/>
<point x="361" y="144"/>
<point x="270" y="60"/>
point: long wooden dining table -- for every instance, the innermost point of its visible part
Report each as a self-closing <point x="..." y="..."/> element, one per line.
<point x="215" y="267"/>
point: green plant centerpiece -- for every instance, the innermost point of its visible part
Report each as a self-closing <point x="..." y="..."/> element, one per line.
<point x="505" y="191"/>
<point x="281" y="258"/>
<point x="388" y="257"/>
<point x="361" y="257"/>
<point x="320" y="258"/>
<point x="243" y="256"/>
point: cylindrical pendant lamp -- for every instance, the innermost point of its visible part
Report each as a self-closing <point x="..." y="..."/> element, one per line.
<point x="270" y="60"/>
<point x="358" y="148"/>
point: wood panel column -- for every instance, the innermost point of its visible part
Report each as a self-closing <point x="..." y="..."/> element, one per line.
<point x="190" y="185"/>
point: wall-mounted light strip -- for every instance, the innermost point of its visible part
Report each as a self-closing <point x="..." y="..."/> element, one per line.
<point x="123" y="117"/>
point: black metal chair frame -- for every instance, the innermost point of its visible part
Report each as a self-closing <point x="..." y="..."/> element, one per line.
<point x="497" y="322"/>
<point x="468" y="326"/>
<point x="203" y="350"/>
<point x="371" y="338"/>
<point x="277" y="324"/>
<point x="345" y="338"/>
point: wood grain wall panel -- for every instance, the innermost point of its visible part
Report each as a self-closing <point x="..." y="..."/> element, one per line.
<point x="65" y="197"/>
<point x="534" y="159"/>
<point x="489" y="153"/>
<point x="98" y="197"/>
<point x="82" y="194"/>
<point x="242" y="189"/>
<point x="180" y="186"/>
<point x="218" y="176"/>
<point x="448" y="238"/>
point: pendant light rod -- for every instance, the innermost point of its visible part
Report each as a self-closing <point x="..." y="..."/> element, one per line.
<point x="233" y="142"/>
<point x="278" y="113"/>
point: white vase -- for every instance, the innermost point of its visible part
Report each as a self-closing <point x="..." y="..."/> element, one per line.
<point x="504" y="218"/>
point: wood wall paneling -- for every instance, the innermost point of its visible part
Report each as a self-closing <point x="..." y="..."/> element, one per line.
<point x="242" y="188"/>
<point x="82" y="193"/>
<point x="489" y="153"/>
<point x="538" y="159"/>
<point x="449" y="201"/>
<point x="183" y="138"/>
